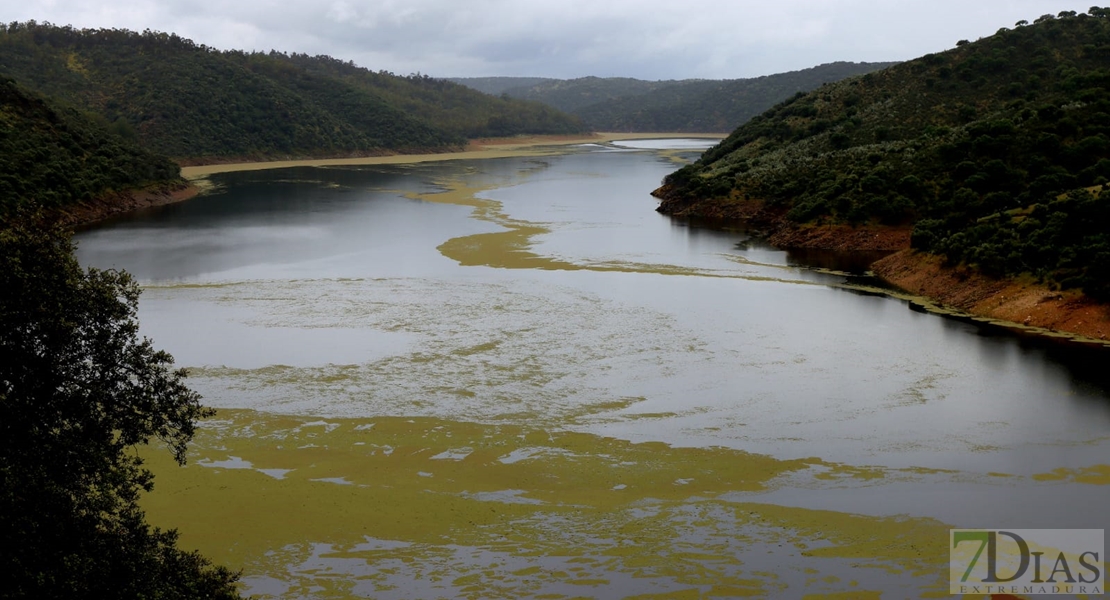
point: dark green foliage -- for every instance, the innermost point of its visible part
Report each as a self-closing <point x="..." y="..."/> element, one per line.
<point x="990" y="174"/>
<point x="693" y="105"/>
<point x="55" y="156"/>
<point x="78" y="392"/>
<point x="187" y="100"/>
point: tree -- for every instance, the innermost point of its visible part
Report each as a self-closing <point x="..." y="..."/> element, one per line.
<point x="78" y="392"/>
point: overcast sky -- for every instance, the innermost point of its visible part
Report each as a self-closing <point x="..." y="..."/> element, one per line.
<point x="647" y="39"/>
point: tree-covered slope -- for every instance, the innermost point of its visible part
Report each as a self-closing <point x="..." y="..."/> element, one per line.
<point x="988" y="149"/>
<point x="54" y="156"/>
<point x="188" y="100"/>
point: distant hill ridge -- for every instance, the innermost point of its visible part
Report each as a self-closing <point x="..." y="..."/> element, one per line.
<point x="994" y="151"/>
<point x="190" y="101"/>
<point x="695" y="105"/>
<point x="495" y="86"/>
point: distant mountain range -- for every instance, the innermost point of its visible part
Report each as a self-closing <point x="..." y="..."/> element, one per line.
<point x="695" y="105"/>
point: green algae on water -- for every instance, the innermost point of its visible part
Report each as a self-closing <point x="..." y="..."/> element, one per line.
<point x="544" y="508"/>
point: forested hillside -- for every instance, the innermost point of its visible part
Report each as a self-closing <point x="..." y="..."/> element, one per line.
<point x="694" y="105"/>
<point x="187" y="100"/>
<point x="56" y="156"/>
<point x="454" y="108"/>
<point x="997" y="152"/>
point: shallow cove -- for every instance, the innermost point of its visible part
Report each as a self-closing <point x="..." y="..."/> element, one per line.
<point x="511" y="378"/>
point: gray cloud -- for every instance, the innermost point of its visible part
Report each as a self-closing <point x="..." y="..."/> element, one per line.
<point x="649" y="39"/>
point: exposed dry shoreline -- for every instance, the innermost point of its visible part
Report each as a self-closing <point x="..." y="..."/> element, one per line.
<point x="541" y="145"/>
<point x="1012" y="300"/>
<point x="1024" y="304"/>
<point x="124" y="202"/>
<point x="770" y="222"/>
<point x="1021" y="303"/>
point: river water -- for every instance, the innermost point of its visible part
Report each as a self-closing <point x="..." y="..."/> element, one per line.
<point x="512" y="378"/>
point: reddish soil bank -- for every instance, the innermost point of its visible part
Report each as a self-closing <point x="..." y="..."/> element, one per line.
<point x="962" y="288"/>
<point x="1009" y="300"/>
<point x="122" y="202"/>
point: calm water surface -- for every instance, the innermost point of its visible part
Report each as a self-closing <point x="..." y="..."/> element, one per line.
<point x="546" y="293"/>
